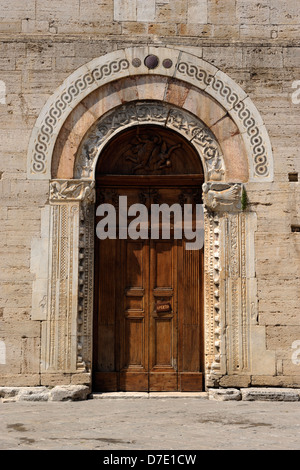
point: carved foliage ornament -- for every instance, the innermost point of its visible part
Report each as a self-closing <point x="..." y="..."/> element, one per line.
<point x="224" y="197"/>
<point x="72" y="190"/>
<point x="155" y="113"/>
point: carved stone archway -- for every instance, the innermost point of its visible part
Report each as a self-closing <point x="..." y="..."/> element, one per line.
<point x="169" y="62"/>
<point x="234" y="342"/>
<point x="150" y="112"/>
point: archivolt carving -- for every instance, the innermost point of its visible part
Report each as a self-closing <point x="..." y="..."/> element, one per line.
<point x="155" y="113"/>
<point x="237" y="104"/>
<point x="118" y="64"/>
<point x="208" y="79"/>
<point x="63" y="102"/>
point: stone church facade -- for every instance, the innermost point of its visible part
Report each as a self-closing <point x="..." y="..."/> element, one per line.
<point x="221" y="77"/>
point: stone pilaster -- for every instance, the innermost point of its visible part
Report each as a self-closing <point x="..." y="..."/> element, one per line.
<point x="63" y="330"/>
<point x="235" y="342"/>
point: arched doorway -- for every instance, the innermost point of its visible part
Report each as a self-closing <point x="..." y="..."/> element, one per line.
<point x="94" y="104"/>
<point x="148" y="306"/>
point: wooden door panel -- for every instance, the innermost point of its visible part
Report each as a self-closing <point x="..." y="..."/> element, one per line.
<point x="163" y="264"/>
<point x="190" y="332"/>
<point x="191" y="348"/>
<point x="134" y="343"/>
<point x="134" y="381"/>
<point x="148" y="309"/>
<point x="163" y="325"/>
<point x="163" y="342"/>
<point x="190" y="382"/>
<point x="133" y="302"/>
<point x="105" y="381"/>
<point x="163" y="381"/>
<point x="135" y="269"/>
<point x="106" y="354"/>
<point x="106" y="321"/>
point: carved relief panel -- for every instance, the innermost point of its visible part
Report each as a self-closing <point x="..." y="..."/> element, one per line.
<point x="149" y="150"/>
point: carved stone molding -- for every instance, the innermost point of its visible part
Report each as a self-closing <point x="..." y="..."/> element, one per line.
<point x="130" y="62"/>
<point x="238" y="320"/>
<point x="85" y="286"/>
<point x="157" y="113"/>
<point x="212" y="304"/>
<point x="222" y="197"/>
<point x="227" y="296"/>
<point x="70" y="93"/>
<point x="238" y="104"/>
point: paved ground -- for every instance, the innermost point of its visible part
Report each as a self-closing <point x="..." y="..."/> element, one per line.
<point x="149" y="424"/>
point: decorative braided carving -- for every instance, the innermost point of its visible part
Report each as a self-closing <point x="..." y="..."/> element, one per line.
<point x="193" y="70"/>
<point x="239" y="106"/>
<point x="64" y="101"/>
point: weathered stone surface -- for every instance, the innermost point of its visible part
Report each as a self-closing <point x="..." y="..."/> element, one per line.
<point x="69" y="393"/>
<point x="285" y="381"/>
<point x="57" y="393"/>
<point x="270" y="394"/>
<point x="9" y="392"/>
<point x="33" y="394"/>
<point x="24" y="393"/>
<point x="224" y="394"/>
<point x="231" y="381"/>
<point x="208" y="18"/>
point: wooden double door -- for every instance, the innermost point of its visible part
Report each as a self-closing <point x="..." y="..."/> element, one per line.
<point x="148" y="332"/>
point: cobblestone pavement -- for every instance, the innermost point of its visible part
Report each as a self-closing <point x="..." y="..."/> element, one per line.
<point x="150" y="424"/>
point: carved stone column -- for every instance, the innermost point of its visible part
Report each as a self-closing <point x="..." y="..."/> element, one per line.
<point x="212" y="307"/>
<point x="64" y="348"/>
<point x="224" y="271"/>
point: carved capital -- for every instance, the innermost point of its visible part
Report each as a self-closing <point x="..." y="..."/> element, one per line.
<point x="222" y="197"/>
<point x="72" y="190"/>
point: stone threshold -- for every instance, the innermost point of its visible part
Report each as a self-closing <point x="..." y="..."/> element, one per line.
<point x="147" y="395"/>
<point x="218" y="394"/>
<point x="82" y="392"/>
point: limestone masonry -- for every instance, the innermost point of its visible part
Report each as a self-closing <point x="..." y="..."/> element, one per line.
<point x="225" y="75"/>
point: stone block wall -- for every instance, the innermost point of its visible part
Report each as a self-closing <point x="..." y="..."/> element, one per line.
<point x="256" y="43"/>
<point x="212" y="19"/>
